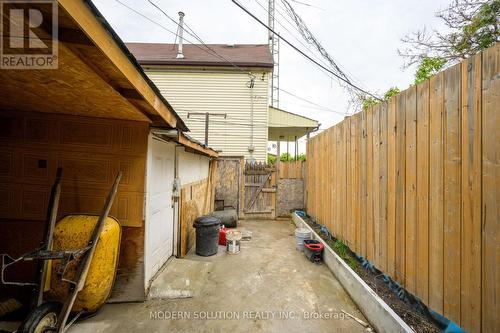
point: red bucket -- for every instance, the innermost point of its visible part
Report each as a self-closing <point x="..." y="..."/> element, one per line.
<point x="313" y="250"/>
<point x="222" y="236"/>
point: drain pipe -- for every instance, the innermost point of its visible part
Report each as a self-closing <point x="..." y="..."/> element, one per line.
<point x="251" y="85"/>
<point x="176" y="203"/>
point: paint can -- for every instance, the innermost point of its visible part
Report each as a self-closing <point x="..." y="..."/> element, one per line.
<point x="233" y="241"/>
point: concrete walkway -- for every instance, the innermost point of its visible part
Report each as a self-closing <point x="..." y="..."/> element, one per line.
<point x="269" y="286"/>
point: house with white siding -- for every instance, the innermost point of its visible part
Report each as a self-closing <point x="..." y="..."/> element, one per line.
<point x="228" y="85"/>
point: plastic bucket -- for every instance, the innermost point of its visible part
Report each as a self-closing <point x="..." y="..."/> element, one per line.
<point x="233" y="241"/>
<point x="301" y="234"/>
<point x="313" y="249"/>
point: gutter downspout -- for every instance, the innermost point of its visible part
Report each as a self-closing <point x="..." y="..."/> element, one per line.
<point x="251" y="85"/>
<point x="177" y="204"/>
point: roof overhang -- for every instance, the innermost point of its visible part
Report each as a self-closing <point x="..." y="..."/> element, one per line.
<point x="204" y="55"/>
<point x="96" y="75"/>
<point x="287" y="126"/>
<point x="185" y="140"/>
<point x="201" y="68"/>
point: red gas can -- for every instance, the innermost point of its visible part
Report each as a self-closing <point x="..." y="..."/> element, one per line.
<point x="222" y="236"/>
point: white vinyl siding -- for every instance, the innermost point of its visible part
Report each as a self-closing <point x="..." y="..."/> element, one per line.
<point x="221" y="92"/>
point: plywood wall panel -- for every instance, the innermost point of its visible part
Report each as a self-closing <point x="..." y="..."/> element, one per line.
<point x="90" y="151"/>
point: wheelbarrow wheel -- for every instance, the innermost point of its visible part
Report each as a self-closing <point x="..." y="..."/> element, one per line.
<point x="43" y="319"/>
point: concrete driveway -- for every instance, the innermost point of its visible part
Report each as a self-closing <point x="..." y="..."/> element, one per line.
<point x="268" y="287"/>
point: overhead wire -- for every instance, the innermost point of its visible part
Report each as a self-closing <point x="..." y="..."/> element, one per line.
<point x="340" y="77"/>
<point x="193" y="34"/>
<point x="308" y="47"/>
<point x="160" y="25"/>
<point x="312" y="103"/>
<point x="211" y="53"/>
<point x="278" y="9"/>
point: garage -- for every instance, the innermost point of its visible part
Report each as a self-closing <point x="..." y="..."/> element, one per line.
<point x="93" y="117"/>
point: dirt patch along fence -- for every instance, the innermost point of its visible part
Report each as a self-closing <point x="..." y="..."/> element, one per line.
<point x="414" y="185"/>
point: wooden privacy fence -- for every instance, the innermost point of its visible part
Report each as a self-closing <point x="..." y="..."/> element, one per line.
<point x="414" y="185"/>
<point x="291" y="170"/>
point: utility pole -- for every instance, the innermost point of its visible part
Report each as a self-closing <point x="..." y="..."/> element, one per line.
<point x="207" y="120"/>
<point x="274" y="46"/>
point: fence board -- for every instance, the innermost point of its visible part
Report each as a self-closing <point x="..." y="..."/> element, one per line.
<point x="354" y="191"/>
<point x="490" y="190"/>
<point x="400" y="186"/>
<point x="411" y="189"/>
<point x="357" y="170"/>
<point x="436" y="192"/>
<point x="391" y="189"/>
<point x="344" y="182"/>
<point x="383" y="162"/>
<point x="375" y="184"/>
<point x="370" y="234"/>
<point x="349" y="217"/>
<point x="470" y="303"/>
<point x="362" y="185"/>
<point x="422" y="273"/>
<point x="452" y="201"/>
<point x="331" y="167"/>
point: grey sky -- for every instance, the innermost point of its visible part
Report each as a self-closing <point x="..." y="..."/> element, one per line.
<point x="362" y="36"/>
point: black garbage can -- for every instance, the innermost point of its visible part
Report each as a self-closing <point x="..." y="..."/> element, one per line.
<point x="207" y="235"/>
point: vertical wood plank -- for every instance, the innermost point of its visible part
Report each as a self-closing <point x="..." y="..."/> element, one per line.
<point x="383" y="163"/>
<point x="324" y="175"/>
<point x="411" y="189"/>
<point x="331" y="157"/>
<point x="470" y="302"/>
<point x="344" y="179"/>
<point x="436" y="106"/>
<point x="362" y="189"/>
<point x="357" y="182"/>
<point x="349" y="217"/>
<point x="353" y="182"/>
<point x="391" y="188"/>
<point x="339" y="222"/>
<point x="370" y="242"/>
<point x="375" y="185"/>
<point x="422" y="288"/>
<point x="452" y="198"/>
<point x="491" y="190"/>
<point x="400" y="187"/>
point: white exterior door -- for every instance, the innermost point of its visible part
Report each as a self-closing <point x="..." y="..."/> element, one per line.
<point x="159" y="212"/>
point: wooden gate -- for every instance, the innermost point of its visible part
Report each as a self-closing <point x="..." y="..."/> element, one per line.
<point x="260" y="191"/>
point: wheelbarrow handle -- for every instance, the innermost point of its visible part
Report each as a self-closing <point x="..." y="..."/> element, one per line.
<point x="84" y="264"/>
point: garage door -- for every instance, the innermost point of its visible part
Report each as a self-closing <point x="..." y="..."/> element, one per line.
<point x="159" y="211"/>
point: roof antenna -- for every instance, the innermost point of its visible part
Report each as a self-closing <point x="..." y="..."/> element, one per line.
<point x="180" y="55"/>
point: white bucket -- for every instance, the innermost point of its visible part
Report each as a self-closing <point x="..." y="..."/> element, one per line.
<point x="301" y="234"/>
<point x="233" y="240"/>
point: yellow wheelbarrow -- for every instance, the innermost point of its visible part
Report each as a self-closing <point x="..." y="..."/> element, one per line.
<point x="77" y="266"/>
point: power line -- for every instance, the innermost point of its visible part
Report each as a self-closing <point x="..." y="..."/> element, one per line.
<point x="175" y="33"/>
<point x="193" y="34"/>
<point x="159" y="24"/>
<point x="307" y="4"/>
<point x="296" y="28"/>
<point x="291" y="24"/>
<point x="204" y="50"/>
<point x="312" y="103"/>
<point x="306" y="55"/>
